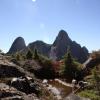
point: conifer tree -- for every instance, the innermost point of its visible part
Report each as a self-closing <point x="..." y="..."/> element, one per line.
<point x="36" y="55"/>
<point x="70" y="66"/>
<point x="29" y="54"/>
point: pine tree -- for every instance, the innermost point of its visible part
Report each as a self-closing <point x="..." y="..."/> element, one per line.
<point x="29" y="54"/>
<point x="36" y="55"/>
<point x="70" y="66"/>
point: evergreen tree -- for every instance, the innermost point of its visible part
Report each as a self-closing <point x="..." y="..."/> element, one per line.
<point x="36" y="55"/>
<point x="70" y="66"/>
<point x="29" y="54"/>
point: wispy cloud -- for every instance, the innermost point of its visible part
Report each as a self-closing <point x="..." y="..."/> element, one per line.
<point x="34" y="0"/>
<point x="42" y="25"/>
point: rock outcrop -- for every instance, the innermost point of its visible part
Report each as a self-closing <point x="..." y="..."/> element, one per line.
<point x="17" y="45"/>
<point x="42" y="47"/>
<point x="63" y="42"/>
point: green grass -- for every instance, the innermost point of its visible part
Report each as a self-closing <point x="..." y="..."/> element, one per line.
<point x="89" y="94"/>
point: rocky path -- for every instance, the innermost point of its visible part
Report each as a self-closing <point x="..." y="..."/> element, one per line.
<point x="63" y="83"/>
<point x="58" y="88"/>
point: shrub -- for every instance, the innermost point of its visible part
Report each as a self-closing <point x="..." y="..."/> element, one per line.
<point x="46" y="71"/>
<point x="18" y="56"/>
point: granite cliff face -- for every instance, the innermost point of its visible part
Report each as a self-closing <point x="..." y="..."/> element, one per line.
<point x="63" y="42"/>
<point x="60" y="45"/>
<point x="17" y="45"/>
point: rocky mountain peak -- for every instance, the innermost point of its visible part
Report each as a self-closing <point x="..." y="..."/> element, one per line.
<point x="85" y="49"/>
<point x="62" y="38"/>
<point x="62" y="34"/>
<point x="17" y="45"/>
<point x="62" y="43"/>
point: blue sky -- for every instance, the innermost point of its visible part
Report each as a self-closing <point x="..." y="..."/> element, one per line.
<point x="43" y="19"/>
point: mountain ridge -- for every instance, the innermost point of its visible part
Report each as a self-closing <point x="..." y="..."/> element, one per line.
<point x="60" y="45"/>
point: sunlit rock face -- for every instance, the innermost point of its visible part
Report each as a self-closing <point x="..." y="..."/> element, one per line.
<point x="17" y="45"/>
<point x="53" y="53"/>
